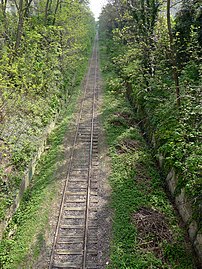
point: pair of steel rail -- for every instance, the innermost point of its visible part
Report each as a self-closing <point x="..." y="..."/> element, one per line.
<point x="75" y="242"/>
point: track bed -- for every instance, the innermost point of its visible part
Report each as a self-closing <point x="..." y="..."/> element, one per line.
<point x="76" y="242"/>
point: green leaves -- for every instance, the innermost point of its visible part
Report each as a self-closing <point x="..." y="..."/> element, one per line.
<point x="147" y="65"/>
<point x="136" y="185"/>
<point x="37" y="78"/>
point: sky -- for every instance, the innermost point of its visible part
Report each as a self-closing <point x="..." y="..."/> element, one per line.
<point x="96" y="6"/>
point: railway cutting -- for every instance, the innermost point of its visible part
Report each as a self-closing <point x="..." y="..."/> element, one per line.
<point x="76" y="236"/>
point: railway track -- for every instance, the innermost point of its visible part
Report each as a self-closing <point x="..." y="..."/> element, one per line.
<point x="75" y="243"/>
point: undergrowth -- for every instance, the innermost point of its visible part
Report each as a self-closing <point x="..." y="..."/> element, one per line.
<point x="140" y="239"/>
<point x="24" y="238"/>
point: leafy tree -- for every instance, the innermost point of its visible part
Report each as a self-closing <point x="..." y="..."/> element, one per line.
<point x="157" y="58"/>
<point x="44" y="47"/>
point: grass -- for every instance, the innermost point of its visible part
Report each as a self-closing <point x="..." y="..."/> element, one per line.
<point x="24" y="237"/>
<point x="137" y="187"/>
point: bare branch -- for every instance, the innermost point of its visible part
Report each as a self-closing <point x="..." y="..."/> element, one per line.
<point x="16" y="4"/>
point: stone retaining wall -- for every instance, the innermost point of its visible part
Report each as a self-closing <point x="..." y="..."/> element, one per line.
<point x="185" y="209"/>
<point x="28" y="176"/>
<point x="182" y="201"/>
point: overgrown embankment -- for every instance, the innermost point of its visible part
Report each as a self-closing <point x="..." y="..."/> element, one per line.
<point x="155" y="58"/>
<point x="146" y="230"/>
<point x="29" y="233"/>
<point x="44" y="50"/>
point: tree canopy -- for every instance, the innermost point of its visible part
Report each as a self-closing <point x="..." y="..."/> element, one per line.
<point x="157" y="58"/>
<point x="44" y="47"/>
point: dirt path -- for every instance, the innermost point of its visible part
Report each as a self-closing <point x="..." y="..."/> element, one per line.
<point x="80" y="224"/>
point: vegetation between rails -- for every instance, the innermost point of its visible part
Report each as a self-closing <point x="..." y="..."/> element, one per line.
<point x="146" y="230"/>
<point x="24" y="239"/>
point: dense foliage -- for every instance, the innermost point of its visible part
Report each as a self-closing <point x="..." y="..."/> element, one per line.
<point x="145" y="230"/>
<point x="25" y="239"/>
<point x="157" y="59"/>
<point x="44" y="46"/>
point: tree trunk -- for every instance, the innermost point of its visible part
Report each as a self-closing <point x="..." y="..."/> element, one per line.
<point x="5" y="30"/>
<point x="47" y="8"/>
<point x="27" y="8"/>
<point x="20" y="26"/>
<point x="173" y="56"/>
<point x="56" y="10"/>
<point x="3" y="7"/>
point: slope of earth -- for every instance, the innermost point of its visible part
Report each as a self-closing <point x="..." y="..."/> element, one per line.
<point x="29" y="238"/>
<point x="146" y="232"/>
